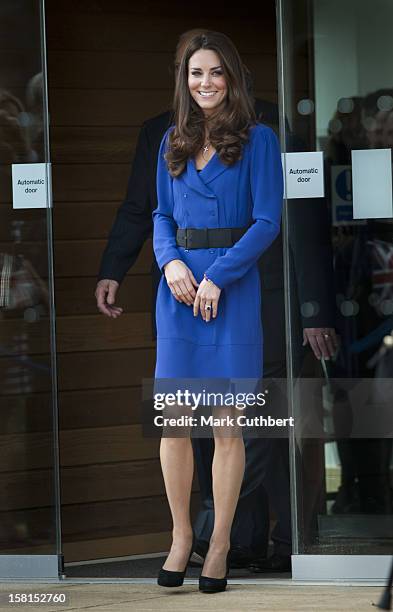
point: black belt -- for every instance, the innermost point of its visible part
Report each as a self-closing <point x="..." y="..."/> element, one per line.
<point x="209" y="237"/>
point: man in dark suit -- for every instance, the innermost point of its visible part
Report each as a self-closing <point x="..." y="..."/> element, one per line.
<point x="266" y="478"/>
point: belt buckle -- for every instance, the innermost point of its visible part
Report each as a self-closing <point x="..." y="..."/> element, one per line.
<point x="192" y="243"/>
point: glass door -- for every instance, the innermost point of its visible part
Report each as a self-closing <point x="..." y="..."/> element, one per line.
<point x="30" y="544"/>
<point x="337" y="117"/>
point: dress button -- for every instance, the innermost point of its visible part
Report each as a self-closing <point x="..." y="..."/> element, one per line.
<point x="185" y="195"/>
<point x="211" y="251"/>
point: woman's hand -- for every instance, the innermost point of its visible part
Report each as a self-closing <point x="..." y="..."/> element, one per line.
<point x="181" y="281"/>
<point x="208" y="294"/>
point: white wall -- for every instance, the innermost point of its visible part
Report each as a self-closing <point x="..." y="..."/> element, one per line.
<point x="335" y="57"/>
<point x="353" y="52"/>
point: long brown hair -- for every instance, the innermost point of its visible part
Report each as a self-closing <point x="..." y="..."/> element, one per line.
<point x="229" y="126"/>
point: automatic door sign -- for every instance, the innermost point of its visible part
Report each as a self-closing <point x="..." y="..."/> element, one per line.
<point x="31" y="185"/>
<point x="303" y="174"/>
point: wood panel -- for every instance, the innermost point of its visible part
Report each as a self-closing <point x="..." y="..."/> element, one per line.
<point x="94" y="219"/>
<point x="83" y="69"/>
<point x="82" y="484"/>
<point x="104" y="369"/>
<point x="154" y="32"/>
<point x="82" y="550"/>
<point x="103" y="144"/>
<point x="103" y="482"/>
<point x="76" y="371"/>
<point x="102" y="107"/>
<point x="75" y="295"/>
<point x="154" y="9"/>
<point x="122" y="546"/>
<point x="129" y="516"/>
<point x="90" y="182"/>
<point x="75" y="183"/>
<point x="124" y="402"/>
<point x="81" y="333"/>
<point x="81" y="258"/>
<point x="95" y="521"/>
<point x="32" y="412"/>
<point x="76" y="258"/>
<point x="100" y="333"/>
<point x="93" y="445"/>
<point x="95" y="107"/>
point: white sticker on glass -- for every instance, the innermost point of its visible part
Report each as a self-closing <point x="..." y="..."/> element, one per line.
<point x="303" y="174"/>
<point x="372" y="184"/>
<point x="31" y="185"/>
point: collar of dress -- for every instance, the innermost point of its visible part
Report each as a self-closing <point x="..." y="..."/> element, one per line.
<point x="199" y="181"/>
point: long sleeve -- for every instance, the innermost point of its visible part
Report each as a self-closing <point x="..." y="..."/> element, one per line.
<point x="267" y="194"/>
<point x="133" y="222"/>
<point x="164" y="233"/>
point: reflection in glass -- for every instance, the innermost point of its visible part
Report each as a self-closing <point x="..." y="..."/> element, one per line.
<point x="343" y="489"/>
<point x="28" y="507"/>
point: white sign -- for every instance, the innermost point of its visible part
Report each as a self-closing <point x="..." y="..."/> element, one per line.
<point x="372" y="184"/>
<point x="303" y="174"/>
<point x="31" y="185"/>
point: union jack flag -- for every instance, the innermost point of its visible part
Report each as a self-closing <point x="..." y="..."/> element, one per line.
<point x="381" y="254"/>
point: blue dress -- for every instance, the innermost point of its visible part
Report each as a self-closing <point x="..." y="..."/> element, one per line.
<point x="250" y="191"/>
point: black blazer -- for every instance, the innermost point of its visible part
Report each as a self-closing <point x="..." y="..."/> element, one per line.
<point x="310" y="256"/>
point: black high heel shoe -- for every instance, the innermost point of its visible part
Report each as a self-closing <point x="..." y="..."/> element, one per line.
<point x="169" y="578"/>
<point x="214" y="585"/>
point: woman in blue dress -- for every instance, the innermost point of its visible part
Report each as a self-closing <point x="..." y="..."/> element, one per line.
<point x="217" y="168"/>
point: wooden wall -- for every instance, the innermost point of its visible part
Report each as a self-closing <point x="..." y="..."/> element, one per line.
<point x="109" y="68"/>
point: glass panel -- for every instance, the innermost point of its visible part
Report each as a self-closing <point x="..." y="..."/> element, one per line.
<point x="337" y="99"/>
<point x="28" y="422"/>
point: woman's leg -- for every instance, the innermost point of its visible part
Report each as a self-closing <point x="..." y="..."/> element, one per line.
<point x="227" y="471"/>
<point x="177" y="465"/>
